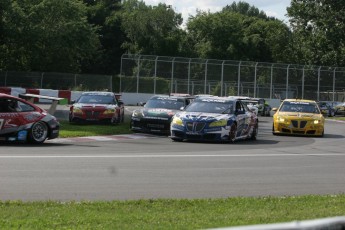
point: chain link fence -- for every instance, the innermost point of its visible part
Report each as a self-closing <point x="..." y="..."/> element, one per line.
<point x="61" y="81"/>
<point x="162" y="75"/>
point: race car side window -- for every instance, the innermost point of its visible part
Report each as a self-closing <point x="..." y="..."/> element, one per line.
<point x="23" y="107"/>
<point x="8" y="105"/>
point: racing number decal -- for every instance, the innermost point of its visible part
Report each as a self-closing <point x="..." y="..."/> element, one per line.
<point x="1" y="122"/>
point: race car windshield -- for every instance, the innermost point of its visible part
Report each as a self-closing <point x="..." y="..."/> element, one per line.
<point x="96" y="99"/>
<point x="211" y="107"/>
<point x="300" y="107"/>
<point x="164" y="104"/>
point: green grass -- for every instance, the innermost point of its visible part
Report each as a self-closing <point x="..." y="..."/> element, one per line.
<point x="167" y="213"/>
<point x="82" y="130"/>
<point x="337" y="118"/>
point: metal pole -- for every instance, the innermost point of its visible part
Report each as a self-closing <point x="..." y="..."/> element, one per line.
<point x="138" y="71"/>
<point x="120" y="83"/>
<point x="205" y="86"/>
<point x="318" y="84"/>
<point x="6" y="78"/>
<point x="303" y="76"/>
<point x="271" y="85"/>
<point x="222" y="80"/>
<point x="192" y="87"/>
<point x="334" y="83"/>
<point x="155" y="77"/>
<point x="239" y="79"/>
<point x="42" y="80"/>
<point x="111" y="83"/>
<point x="256" y="65"/>
<point x="287" y="82"/>
<point x="189" y="74"/>
<point x="172" y="75"/>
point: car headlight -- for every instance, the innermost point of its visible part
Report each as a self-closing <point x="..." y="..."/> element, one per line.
<point x="109" y="111"/>
<point x="317" y="122"/>
<point x="177" y="121"/>
<point x="77" y="110"/>
<point x="218" y="123"/>
<point x="280" y="119"/>
<point x="137" y="113"/>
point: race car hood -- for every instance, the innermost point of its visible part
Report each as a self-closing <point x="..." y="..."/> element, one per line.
<point x="203" y="117"/>
<point x="292" y="115"/>
<point x="156" y="112"/>
<point x="94" y="106"/>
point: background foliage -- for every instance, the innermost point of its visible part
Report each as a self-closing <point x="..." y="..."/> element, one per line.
<point x="88" y="36"/>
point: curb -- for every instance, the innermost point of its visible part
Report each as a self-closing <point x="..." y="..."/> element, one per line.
<point x="67" y="94"/>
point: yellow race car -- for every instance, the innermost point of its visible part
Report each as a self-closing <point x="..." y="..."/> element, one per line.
<point x="298" y="117"/>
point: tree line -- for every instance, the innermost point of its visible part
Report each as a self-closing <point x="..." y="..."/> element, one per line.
<point x="90" y="36"/>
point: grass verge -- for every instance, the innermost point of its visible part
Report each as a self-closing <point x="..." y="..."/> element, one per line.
<point x="168" y="213"/>
<point x="82" y="130"/>
<point x="337" y="118"/>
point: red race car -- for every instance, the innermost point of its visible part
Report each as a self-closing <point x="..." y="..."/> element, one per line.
<point x="97" y="107"/>
<point x="21" y="120"/>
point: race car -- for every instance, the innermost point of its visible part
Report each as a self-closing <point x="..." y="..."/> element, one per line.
<point x="97" y="107"/>
<point x="326" y="108"/>
<point x="298" y="117"/>
<point x="23" y="121"/>
<point x="340" y="108"/>
<point x="214" y="119"/>
<point x="156" y="115"/>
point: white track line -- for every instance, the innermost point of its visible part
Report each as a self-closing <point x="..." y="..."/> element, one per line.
<point x="170" y="156"/>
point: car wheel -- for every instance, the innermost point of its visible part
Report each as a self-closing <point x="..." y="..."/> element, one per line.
<point x="322" y="134"/>
<point x="38" y="132"/>
<point x="123" y="117"/>
<point x="273" y="130"/>
<point x="232" y="133"/>
<point x="332" y="113"/>
<point x="255" y="132"/>
<point x="176" y="139"/>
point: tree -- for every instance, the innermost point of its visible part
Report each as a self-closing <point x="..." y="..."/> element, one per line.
<point x="245" y="9"/>
<point x="319" y="31"/>
<point x="232" y="35"/>
<point x="44" y="35"/>
<point x="104" y="15"/>
<point x="151" y="29"/>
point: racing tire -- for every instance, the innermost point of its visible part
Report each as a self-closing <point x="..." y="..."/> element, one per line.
<point x="232" y="133"/>
<point x="255" y="132"/>
<point x="176" y="139"/>
<point x="122" y="120"/>
<point x="322" y="134"/>
<point x="273" y="130"/>
<point x="38" y="132"/>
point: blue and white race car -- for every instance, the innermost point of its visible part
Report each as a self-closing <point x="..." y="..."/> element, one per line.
<point x="214" y="119"/>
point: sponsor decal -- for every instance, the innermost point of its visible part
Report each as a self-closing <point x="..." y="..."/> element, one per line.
<point x="9" y="115"/>
<point x="32" y="116"/>
<point x="22" y="135"/>
<point x="299" y="103"/>
<point x="166" y="98"/>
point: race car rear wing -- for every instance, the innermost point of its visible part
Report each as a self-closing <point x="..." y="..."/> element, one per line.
<point x="31" y="97"/>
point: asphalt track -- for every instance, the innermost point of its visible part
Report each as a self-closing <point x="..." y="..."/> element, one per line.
<point x="143" y="167"/>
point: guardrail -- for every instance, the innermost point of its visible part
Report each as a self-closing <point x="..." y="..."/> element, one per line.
<point x="333" y="223"/>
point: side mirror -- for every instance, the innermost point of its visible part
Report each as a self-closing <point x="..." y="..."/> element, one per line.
<point x="237" y="112"/>
<point x="120" y="103"/>
<point x="72" y="102"/>
<point x="142" y="103"/>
